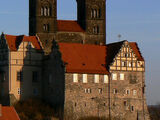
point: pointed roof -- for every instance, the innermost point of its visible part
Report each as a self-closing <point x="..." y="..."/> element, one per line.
<point x="68" y="26"/>
<point x="14" y="41"/>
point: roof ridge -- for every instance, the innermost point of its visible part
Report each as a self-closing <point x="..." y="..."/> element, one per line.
<point x="82" y="44"/>
<point x="68" y="20"/>
<point x="116" y="42"/>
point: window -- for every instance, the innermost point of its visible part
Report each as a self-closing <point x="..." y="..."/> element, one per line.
<point x="19" y="76"/>
<point x="92" y="13"/>
<point x="132" y="108"/>
<point x="124" y="64"/>
<point x="48" y="12"/>
<point x="115" y="91"/>
<point x="45" y="11"/>
<point x="121" y="76"/>
<point x="50" y="78"/>
<point x="100" y="90"/>
<point x="134" y="92"/>
<point x="87" y="90"/>
<point x="19" y="91"/>
<point x="46" y="27"/>
<point x="96" y="29"/>
<point x="125" y="103"/>
<point x="2" y="76"/>
<point x="35" y="91"/>
<point x="75" y="104"/>
<point x="85" y="104"/>
<point x="133" y="78"/>
<point x="127" y="91"/>
<point x="104" y="104"/>
<point x="114" y="76"/>
<point x="34" y="76"/>
<point x="84" y="78"/>
<point x="105" y="78"/>
<point x="95" y="13"/>
<point x="42" y="11"/>
<point x="143" y="90"/>
<point x="130" y="64"/>
<point x="96" y="78"/>
<point x="75" y="78"/>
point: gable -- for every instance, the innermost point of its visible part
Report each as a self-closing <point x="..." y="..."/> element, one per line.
<point x="15" y="41"/>
<point x="128" y="58"/>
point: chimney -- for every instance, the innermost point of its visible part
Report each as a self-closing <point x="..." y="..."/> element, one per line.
<point x="0" y="110"/>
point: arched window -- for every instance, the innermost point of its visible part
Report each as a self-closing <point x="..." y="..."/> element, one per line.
<point x="46" y="27"/>
<point x="42" y="11"/>
<point x="45" y="11"/>
<point x="49" y="11"/>
<point x="94" y="13"/>
<point x="98" y="13"/>
<point x="96" y="29"/>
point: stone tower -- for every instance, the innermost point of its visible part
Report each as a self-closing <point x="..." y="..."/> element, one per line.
<point x="92" y="18"/>
<point x="90" y="27"/>
<point x="43" y="20"/>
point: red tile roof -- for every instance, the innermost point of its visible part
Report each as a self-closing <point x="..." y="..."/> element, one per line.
<point x="84" y="58"/>
<point x="68" y="26"/>
<point x="14" y="41"/>
<point x="136" y="50"/>
<point x="9" y="113"/>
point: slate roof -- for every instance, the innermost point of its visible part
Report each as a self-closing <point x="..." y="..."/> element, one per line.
<point x="9" y="113"/>
<point x="68" y="26"/>
<point x="14" y="41"/>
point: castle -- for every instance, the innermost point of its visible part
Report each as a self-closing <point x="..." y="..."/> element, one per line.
<point x="69" y="65"/>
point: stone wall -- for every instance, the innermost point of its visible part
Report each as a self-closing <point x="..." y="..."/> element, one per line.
<point x="85" y="99"/>
<point x="70" y="37"/>
<point x="128" y="100"/>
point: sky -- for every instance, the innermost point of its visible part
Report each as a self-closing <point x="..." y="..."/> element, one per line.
<point x="135" y="20"/>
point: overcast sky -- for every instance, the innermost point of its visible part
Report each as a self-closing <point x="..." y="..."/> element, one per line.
<point x="135" y="20"/>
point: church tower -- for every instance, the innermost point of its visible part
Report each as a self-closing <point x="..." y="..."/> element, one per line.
<point x="92" y="18"/>
<point x="43" y="21"/>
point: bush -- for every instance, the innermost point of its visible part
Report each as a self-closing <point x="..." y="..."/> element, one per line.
<point x="154" y="111"/>
<point x="33" y="109"/>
